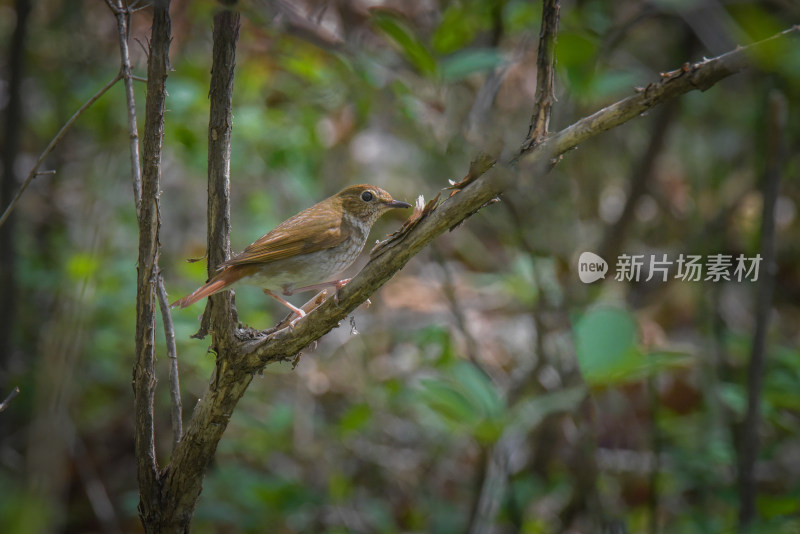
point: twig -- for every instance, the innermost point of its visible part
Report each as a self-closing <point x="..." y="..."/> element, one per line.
<point x="7" y="401"/>
<point x="53" y="142"/>
<point x="699" y="76"/>
<point x="172" y="354"/>
<point x="545" y="74"/>
<point x="123" y="17"/>
<point x="748" y="450"/>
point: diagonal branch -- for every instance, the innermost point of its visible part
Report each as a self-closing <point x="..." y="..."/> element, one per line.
<point x="34" y="172"/>
<point x="7" y="400"/>
<point x="690" y="77"/>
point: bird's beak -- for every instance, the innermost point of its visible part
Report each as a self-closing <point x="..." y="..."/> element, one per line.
<point x="397" y="204"/>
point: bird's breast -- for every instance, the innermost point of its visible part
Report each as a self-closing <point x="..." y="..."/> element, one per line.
<point x="308" y="269"/>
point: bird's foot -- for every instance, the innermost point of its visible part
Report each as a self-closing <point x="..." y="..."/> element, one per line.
<point x="339" y="285"/>
<point x="300" y="315"/>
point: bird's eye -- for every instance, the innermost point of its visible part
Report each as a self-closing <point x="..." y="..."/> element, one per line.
<point x="366" y="196"/>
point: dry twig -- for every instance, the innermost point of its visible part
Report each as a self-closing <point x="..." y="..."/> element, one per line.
<point x="34" y="172"/>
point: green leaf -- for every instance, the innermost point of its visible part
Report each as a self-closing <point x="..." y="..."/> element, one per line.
<point x="527" y="414"/>
<point x="466" y="402"/>
<point x="413" y="49"/>
<point x="462" y="64"/>
<point x="606" y="344"/>
<point x="448" y="402"/>
<point x="457" y="29"/>
<point x="479" y="389"/>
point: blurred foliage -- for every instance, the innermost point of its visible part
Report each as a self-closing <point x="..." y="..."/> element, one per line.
<point x="488" y="384"/>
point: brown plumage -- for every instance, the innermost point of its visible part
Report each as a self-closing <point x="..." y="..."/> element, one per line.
<point x="306" y="250"/>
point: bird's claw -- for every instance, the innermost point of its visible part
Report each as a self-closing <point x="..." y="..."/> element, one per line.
<point x="339" y="285"/>
<point x="300" y="315"/>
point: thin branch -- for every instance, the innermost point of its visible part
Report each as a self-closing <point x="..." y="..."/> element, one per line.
<point x="699" y="76"/>
<point x="144" y="379"/>
<point x="123" y="17"/>
<point x="11" y="397"/>
<point x="749" y="446"/>
<point x="545" y="74"/>
<point x="172" y="354"/>
<point x="53" y="142"/>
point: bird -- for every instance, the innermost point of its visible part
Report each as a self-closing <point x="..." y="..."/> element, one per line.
<point x="306" y="250"/>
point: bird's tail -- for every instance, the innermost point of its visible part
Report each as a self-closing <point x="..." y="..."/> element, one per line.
<point x="221" y="281"/>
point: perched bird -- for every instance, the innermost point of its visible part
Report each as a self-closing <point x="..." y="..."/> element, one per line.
<point x="305" y="251"/>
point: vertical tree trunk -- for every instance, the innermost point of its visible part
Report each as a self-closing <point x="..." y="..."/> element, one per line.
<point x="220" y="312"/>
<point x="144" y="380"/>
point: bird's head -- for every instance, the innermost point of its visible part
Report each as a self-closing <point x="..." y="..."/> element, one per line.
<point x="367" y="202"/>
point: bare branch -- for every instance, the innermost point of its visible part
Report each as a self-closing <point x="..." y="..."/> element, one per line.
<point x="172" y="354"/>
<point x="11" y="397"/>
<point x="545" y="74"/>
<point x="690" y="77"/>
<point x="122" y="14"/>
<point x="53" y="142"/>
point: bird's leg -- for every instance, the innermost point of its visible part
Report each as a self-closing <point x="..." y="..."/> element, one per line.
<point x="338" y="284"/>
<point x="300" y="313"/>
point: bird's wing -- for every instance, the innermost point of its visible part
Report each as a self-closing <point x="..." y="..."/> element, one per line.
<point x="308" y="231"/>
